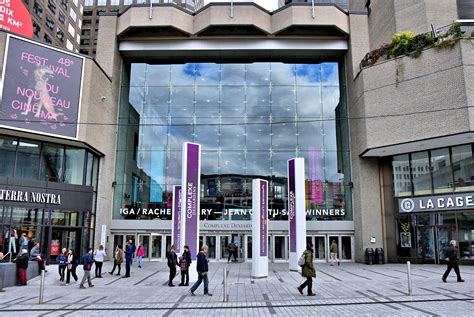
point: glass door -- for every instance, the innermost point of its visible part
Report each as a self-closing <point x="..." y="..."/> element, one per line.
<point x="426" y="244"/>
<point x="156" y="245"/>
<point x="443" y="236"/>
<point x="280" y="248"/>
<point x="145" y="240"/>
<point x="225" y="240"/>
<point x="211" y="244"/>
<point x="320" y="248"/>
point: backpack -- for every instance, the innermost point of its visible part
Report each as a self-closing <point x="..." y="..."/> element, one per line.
<point x="302" y="260"/>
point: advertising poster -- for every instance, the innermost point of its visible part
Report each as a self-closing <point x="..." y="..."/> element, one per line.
<point x="263" y="218"/>
<point x="54" y="247"/>
<point x="15" y="18"/>
<point x="292" y="204"/>
<point x="41" y="89"/>
<point x="177" y="218"/>
<point x="315" y="176"/>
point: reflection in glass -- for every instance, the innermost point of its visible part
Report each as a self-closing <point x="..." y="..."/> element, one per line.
<point x="401" y="175"/>
<point x="7" y="155"/>
<point x="463" y="166"/>
<point x="74" y="171"/>
<point x="28" y="159"/>
<point x="420" y="170"/>
<point x="441" y="169"/>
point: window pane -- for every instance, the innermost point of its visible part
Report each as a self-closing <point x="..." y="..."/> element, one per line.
<point x="90" y="164"/>
<point x="463" y="167"/>
<point x="52" y="160"/>
<point x="420" y="170"/>
<point x="7" y="156"/>
<point x="466" y="235"/>
<point x="401" y="175"/>
<point x="442" y="175"/>
<point x="27" y="165"/>
<point x="74" y="166"/>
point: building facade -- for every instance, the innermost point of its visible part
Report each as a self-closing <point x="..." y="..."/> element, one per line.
<point x="387" y="146"/>
<point x="57" y="22"/>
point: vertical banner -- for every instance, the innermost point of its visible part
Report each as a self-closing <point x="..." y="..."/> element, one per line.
<point x="176" y="230"/>
<point x="259" y="228"/>
<point x="296" y="210"/>
<point x="190" y="201"/>
<point x="103" y="235"/>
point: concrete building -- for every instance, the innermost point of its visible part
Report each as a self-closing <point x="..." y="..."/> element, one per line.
<point x="57" y="22"/>
<point x="388" y="147"/>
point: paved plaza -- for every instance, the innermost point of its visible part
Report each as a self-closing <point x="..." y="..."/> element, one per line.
<point x="351" y="289"/>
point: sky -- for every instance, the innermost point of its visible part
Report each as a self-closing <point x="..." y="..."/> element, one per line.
<point x="270" y="5"/>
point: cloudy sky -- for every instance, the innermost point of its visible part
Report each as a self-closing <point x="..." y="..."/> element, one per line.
<point x="270" y="5"/>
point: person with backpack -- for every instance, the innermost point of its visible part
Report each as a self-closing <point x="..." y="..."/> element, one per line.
<point x="451" y="258"/>
<point x="172" y="264"/>
<point x="87" y="261"/>
<point x="308" y="270"/>
<point x="184" y="264"/>
<point x="62" y="259"/>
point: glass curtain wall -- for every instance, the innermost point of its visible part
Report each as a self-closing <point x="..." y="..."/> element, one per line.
<point x="249" y="118"/>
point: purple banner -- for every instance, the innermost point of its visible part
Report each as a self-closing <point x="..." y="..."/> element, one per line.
<point x="292" y="204"/>
<point x="315" y="176"/>
<point x="41" y="89"/>
<point x="263" y="219"/>
<point x="177" y="218"/>
<point x="191" y="197"/>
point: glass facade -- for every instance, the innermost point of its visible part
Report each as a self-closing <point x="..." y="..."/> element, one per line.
<point x="445" y="170"/>
<point x="250" y="119"/>
<point x="40" y="161"/>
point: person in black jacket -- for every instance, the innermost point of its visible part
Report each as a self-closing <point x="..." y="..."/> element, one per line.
<point x="451" y="258"/>
<point x="202" y="268"/>
<point x="22" y="265"/>
<point x="172" y="264"/>
<point x="184" y="263"/>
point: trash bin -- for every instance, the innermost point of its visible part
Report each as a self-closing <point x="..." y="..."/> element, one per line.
<point x="379" y="256"/>
<point x="369" y="256"/>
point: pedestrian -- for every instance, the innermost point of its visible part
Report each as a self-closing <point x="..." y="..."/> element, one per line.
<point x="128" y="258"/>
<point x="24" y="241"/>
<point x="202" y="267"/>
<point x="140" y="254"/>
<point x="451" y="258"/>
<point x="308" y="270"/>
<point x="231" y="248"/>
<point x="333" y="249"/>
<point x="134" y="248"/>
<point x="184" y="264"/>
<point x="35" y="255"/>
<point x="87" y="262"/>
<point x="118" y="259"/>
<point x="72" y="263"/>
<point x="99" y="255"/>
<point x="22" y="265"/>
<point x="62" y="259"/>
<point x="172" y="264"/>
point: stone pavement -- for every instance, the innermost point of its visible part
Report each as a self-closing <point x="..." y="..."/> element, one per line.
<point x="351" y="289"/>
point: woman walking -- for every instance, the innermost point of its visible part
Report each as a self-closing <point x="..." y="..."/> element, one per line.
<point x="62" y="258"/>
<point x="308" y="271"/>
<point x="140" y="254"/>
<point x="118" y="260"/>
<point x="172" y="263"/>
<point x="72" y="263"/>
<point x="99" y="255"/>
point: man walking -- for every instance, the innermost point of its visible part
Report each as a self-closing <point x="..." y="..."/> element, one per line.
<point x="87" y="262"/>
<point x="202" y="269"/>
<point x="308" y="270"/>
<point x="22" y="265"/>
<point x="128" y="258"/>
<point x="333" y="249"/>
<point x="451" y="258"/>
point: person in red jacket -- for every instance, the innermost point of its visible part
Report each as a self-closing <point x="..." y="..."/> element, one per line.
<point x="140" y="254"/>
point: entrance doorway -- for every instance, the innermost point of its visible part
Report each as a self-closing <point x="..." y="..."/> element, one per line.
<point x="432" y="242"/>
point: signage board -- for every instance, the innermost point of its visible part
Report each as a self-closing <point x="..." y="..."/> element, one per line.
<point x="15" y="18"/>
<point x="436" y="203"/>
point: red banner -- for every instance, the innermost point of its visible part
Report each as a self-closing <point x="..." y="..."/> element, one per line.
<point x="54" y="248"/>
<point x="15" y="18"/>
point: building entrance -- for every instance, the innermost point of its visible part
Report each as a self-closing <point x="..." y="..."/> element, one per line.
<point x="432" y="241"/>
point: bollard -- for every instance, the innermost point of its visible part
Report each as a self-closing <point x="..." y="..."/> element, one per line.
<point x="225" y="285"/>
<point x="41" y="288"/>
<point x="409" y="278"/>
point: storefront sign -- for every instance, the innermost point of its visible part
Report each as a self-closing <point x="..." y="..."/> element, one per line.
<point x="29" y="197"/>
<point x="436" y="203"/>
<point x="190" y="187"/>
<point x="41" y="89"/>
<point x="177" y="218"/>
<point x="15" y="18"/>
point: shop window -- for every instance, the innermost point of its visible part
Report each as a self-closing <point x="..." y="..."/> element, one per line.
<point x="420" y="173"/>
<point x="463" y="168"/>
<point x="466" y="235"/>
<point x="7" y="155"/>
<point x="52" y="163"/>
<point x="401" y="175"/>
<point x="28" y="159"/>
<point x="442" y="172"/>
<point x="74" y="172"/>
